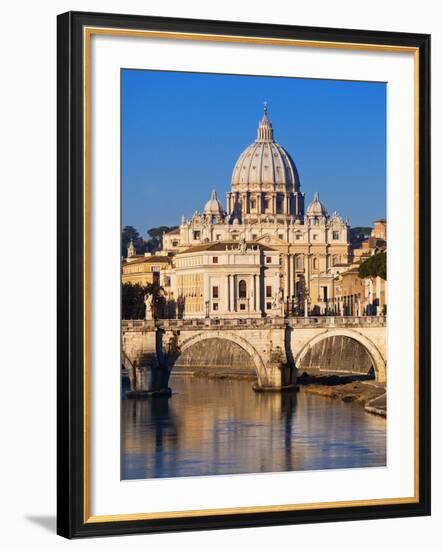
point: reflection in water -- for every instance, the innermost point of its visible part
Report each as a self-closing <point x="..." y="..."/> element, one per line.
<point x="214" y="426"/>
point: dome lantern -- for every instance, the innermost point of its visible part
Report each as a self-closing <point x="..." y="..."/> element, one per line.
<point x="265" y="129"/>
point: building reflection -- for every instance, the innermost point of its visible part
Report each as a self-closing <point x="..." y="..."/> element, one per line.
<point x="223" y="427"/>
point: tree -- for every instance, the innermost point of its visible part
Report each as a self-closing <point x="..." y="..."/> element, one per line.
<point x="128" y="234"/>
<point x="152" y="245"/>
<point x="362" y="230"/>
<point x="359" y="234"/>
<point x="132" y="300"/>
<point x="156" y="236"/>
<point x="375" y="266"/>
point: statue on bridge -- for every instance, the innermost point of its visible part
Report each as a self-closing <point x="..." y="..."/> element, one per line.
<point x="278" y="301"/>
<point x="148" y="300"/>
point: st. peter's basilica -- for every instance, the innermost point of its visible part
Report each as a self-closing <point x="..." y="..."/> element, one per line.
<point x="264" y="254"/>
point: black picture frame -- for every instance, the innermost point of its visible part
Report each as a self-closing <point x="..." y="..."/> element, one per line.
<point x="72" y="520"/>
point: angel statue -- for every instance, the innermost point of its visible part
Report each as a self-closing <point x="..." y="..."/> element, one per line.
<point x="148" y="299"/>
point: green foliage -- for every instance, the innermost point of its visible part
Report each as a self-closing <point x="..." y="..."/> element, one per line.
<point x="128" y="234"/>
<point x="375" y="266"/>
<point x="362" y="230"/>
<point x="156" y="236"/>
<point x="153" y="244"/>
<point x="132" y="300"/>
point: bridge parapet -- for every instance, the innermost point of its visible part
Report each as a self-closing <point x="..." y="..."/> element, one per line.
<point x="265" y="323"/>
<point x="202" y="324"/>
<point x="339" y="322"/>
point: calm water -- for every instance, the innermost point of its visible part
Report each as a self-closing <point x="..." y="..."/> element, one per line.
<point x="223" y="427"/>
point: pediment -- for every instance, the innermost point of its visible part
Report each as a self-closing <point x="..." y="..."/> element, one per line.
<point x="271" y="240"/>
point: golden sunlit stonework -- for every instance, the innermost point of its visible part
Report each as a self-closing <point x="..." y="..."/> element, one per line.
<point x="264" y="255"/>
<point x="145" y="269"/>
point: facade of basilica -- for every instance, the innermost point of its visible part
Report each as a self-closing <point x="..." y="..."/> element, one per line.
<point x="264" y="254"/>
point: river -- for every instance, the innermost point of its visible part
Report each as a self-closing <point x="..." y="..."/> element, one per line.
<point x="213" y="426"/>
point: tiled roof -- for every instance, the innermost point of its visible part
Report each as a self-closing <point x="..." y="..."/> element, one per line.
<point x="150" y="259"/>
<point x="220" y="246"/>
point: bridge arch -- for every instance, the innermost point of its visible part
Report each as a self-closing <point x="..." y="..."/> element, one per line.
<point x="253" y="353"/>
<point x="378" y="360"/>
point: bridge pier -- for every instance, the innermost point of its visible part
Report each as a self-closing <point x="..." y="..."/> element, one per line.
<point x="145" y="363"/>
<point x="278" y="372"/>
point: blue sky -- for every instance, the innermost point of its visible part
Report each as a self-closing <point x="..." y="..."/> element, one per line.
<point x="183" y="132"/>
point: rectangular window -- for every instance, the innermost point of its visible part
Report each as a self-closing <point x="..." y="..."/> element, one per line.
<point x="315" y="237"/>
<point x="298" y="236"/>
<point x="218" y="237"/>
<point x="242" y="306"/>
<point x="254" y="237"/>
<point x="269" y="305"/>
<point x="215" y="306"/>
<point x="215" y="260"/>
<point x="335" y="235"/>
<point x="268" y="291"/>
<point x="196" y="235"/>
<point x="268" y="259"/>
<point x="215" y="292"/>
<point x="252" y="204"/>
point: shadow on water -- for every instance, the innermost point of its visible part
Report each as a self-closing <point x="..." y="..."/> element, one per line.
<point x="288" y="411"/>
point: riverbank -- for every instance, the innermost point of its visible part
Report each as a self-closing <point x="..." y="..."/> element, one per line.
<point x="348" y="388"/>
<point x="368" y="393"/>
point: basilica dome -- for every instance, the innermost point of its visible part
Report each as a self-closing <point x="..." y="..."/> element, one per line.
<point x="265" y="161"/>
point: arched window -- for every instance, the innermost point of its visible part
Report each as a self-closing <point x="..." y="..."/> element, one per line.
<point x="315" y="263"/>
<point x="242" y="289"/>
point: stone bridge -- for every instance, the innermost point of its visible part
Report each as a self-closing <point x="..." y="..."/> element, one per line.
<point x="276" y="348"/>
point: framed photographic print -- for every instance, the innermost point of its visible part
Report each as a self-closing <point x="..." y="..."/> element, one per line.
<point x="228" y="197"/>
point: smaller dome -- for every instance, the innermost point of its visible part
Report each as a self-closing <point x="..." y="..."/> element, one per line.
<point x="213" y="206"/>
<point x="316" y="207"/>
